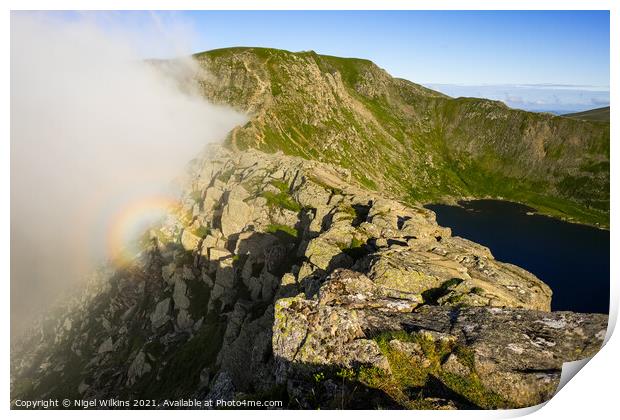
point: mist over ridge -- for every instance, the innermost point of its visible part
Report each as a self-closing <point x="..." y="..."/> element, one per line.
<point x="95" y="130"/>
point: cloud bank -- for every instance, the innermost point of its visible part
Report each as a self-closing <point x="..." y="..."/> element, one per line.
<point x="534" y="97"/>
<point x="94" y="130"/>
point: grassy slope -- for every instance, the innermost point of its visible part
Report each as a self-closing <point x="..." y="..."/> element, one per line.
<point x="408" y="140"/>
<point x="598" y="114"/>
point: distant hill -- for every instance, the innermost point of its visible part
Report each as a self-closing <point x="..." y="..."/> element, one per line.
<point x="409" y="141"/>
<point x="597" y="114"/>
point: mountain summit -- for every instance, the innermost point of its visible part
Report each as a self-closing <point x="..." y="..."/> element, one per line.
<point x="408" y="141"/>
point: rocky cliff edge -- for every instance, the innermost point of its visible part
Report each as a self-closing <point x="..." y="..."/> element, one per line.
<point x="282" y="278"/>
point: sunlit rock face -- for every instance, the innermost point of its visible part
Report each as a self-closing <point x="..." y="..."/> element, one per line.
<point x="283" y="277"/>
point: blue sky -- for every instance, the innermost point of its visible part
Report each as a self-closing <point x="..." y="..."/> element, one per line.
<point x="541" y="60"/>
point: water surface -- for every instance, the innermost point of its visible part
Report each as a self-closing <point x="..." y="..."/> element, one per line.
<point x="572" y="259"/>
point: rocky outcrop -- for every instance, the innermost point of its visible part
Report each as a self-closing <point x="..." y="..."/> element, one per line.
<point x="283" y="278"/>
<point x="508" y="357"/>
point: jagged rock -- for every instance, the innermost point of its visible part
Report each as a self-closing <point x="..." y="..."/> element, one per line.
<point x="354" y="290"/>
<point x="519" y="353"/>
<point x="269" y="284"/>
<point x="246" y="353"/>
<point x="238" y="192"/>
<point x="161" y="314"/>
<point x="223" y="289"/>
<point x="324" y="255"/>
<point x="179" y="295"/>
<point x="406" y="273"/>
<point x="225" y="274"/>
<point x="515" y="353"/>
<point x="107" y="346"/>
<point x="254" y="286"/>
<point x="207" y="279"/>
<point x="212" y="196"/>
<point x="288" y="279"/>
<point x="254" y="244"/>
<point x="312" y="335"/>
<point x="210" y="241"/>
<point x="282" y="216"/>
<point x="454" y="366"/>
<point x="448" y="279"/>
<point x="189" y="240"/>
<point x="235" y="216"/>
<point x="222" y="389"/>
<point x="275" y="257"/>
<point x="184" y="320"/>
<point x="137" y="369"/>
<point x="167" y="272"/>
<point x="216" y="254"/>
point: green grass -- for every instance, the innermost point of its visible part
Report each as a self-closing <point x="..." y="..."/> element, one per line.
<point x="598" y="114"/>
<point x="407" y="373"/>
<point x="432" y="295"/>
<point x="197" y="196"/>
<point x="288" y="230"/>
<point x="281" y="185"/>
<point x="282" y="200"/>
<point x="477" y="290"/>
<point x="182" y="368"/>
<point x="355" y="249"/>
<point x="475" y="180"/>
<point x="201" y="231"/>
<point x="226" y="175"/>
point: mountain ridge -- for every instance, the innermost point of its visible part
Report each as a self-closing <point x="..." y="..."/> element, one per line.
<point x="596" y="114"/>
<point x="280" y="278"/>
<point x="407" y="140"/>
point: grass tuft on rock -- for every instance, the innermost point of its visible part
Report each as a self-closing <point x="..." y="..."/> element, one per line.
<point x="282" y="200"/>
<point x="409" y="377"/>
<point x="288" y="230"/>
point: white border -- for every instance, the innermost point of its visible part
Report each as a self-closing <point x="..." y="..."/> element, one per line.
<point x="591" y="395"/>
<point x="311" y="5"/>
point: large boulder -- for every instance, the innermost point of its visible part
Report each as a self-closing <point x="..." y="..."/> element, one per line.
<point x="138" y="368"/>
<point x="235" y="217"/>
<point x="179" y="295"/>
<point x="161" y="314"/>
<point x="454" y="277"/>
<point x="254" y="244"/>
<point x="519" y="354"/>
<point x="351" y="289"/>
<point x="189" y="240"/>
<point x="107" y="346"/>
<point x="488" y="357"/>
<point x="310" y="337"/>
<point x="325" y="255"/>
